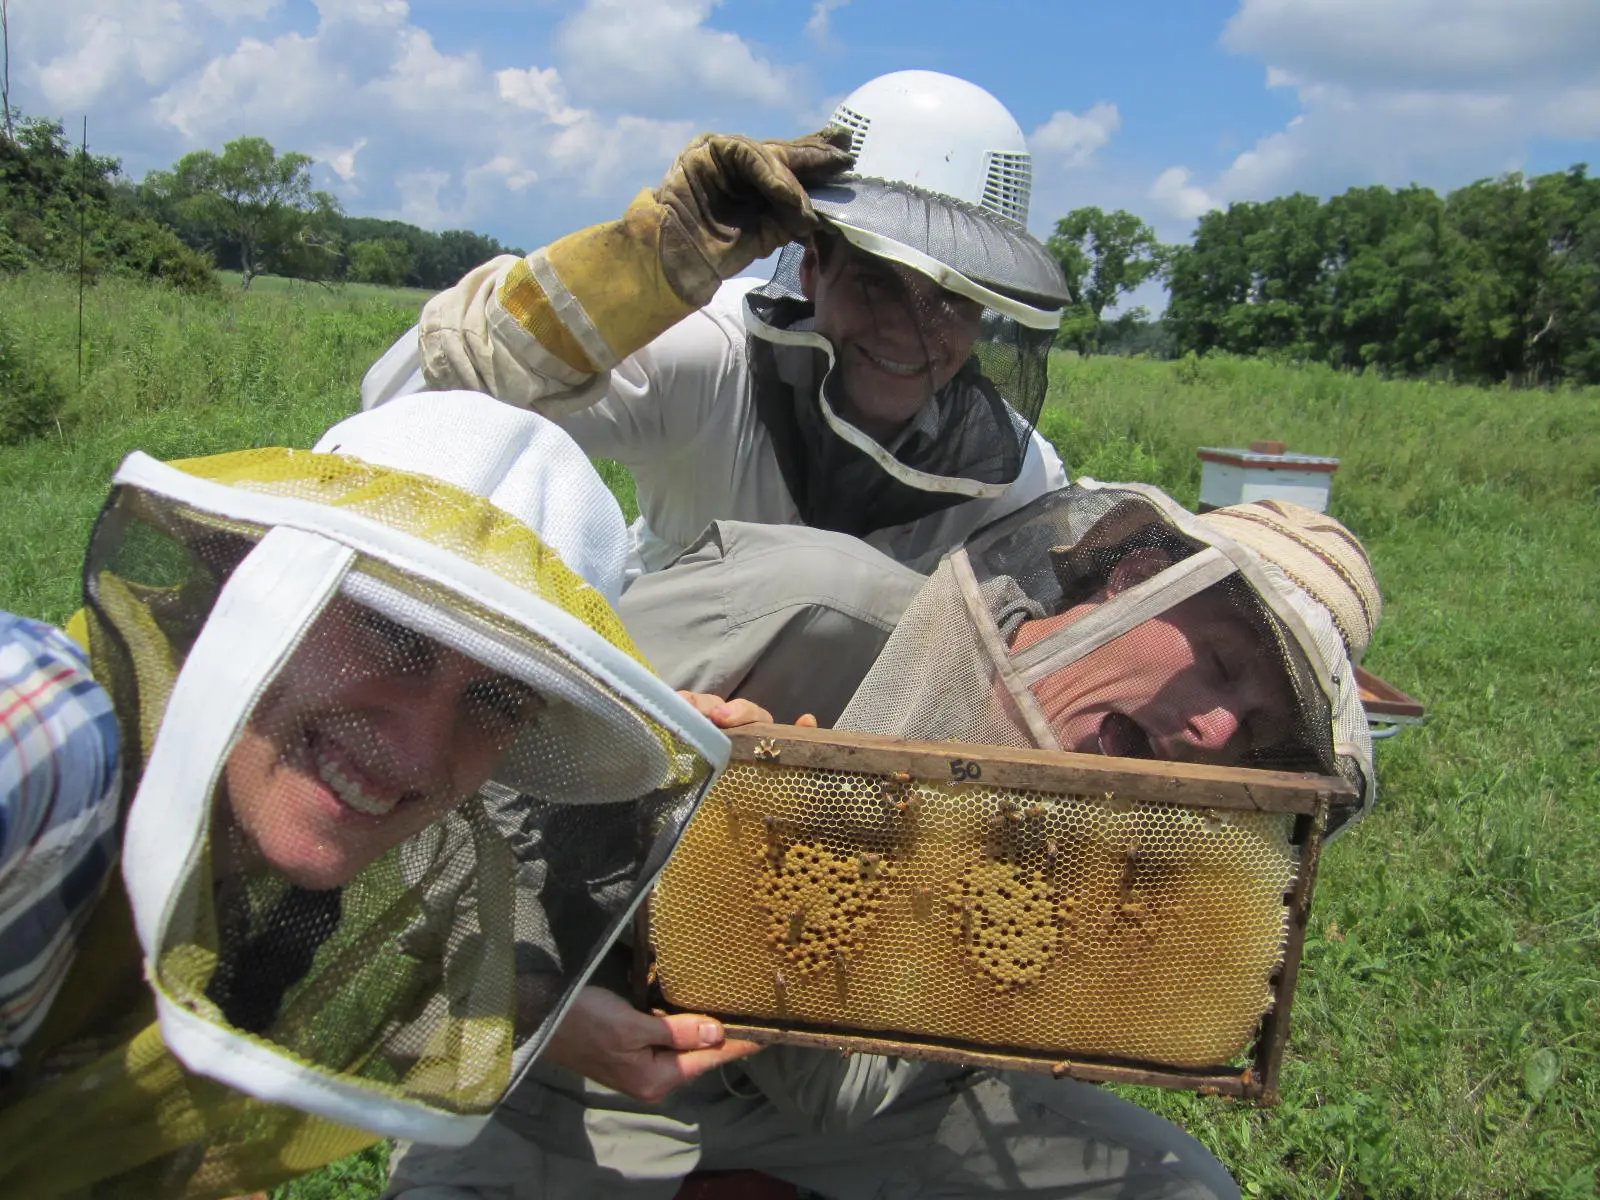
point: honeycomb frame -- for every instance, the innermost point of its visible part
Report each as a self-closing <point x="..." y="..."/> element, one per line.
<point x="1104" y="919"/>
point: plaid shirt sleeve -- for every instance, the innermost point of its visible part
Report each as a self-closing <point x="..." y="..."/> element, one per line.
<point x="59" y="791"/>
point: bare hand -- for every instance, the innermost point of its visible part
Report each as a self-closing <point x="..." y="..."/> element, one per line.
<point x="606" y="1039"/>
<point x="729" y="714"/>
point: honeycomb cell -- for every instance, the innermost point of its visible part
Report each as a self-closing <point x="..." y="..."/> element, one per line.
<point x="820" y="903"/>
<point x="1007" y="920"/>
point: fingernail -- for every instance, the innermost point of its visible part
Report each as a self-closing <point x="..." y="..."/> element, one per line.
<point x="721" y="713"/>
<point x="710" y="1033"/>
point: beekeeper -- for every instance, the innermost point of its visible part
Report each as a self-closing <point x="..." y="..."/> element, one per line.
<point x="1108" y="619"/>
<point x="1099" y="618"/>
<point x="884" y="382"/>
<point x="392" y="778"/>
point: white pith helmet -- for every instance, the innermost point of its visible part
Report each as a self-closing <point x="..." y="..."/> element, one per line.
<point x="941" y="134"/>
<point x="940" y="184"/>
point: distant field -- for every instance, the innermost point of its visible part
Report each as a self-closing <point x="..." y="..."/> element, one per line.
<point x="411" y="297"/>
<point x="1447" y="1027"/>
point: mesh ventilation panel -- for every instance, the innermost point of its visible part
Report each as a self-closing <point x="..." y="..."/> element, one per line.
<point x="855" y="123"/>
<point x="1008" y="184"/>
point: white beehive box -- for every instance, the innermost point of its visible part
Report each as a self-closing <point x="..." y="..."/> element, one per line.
<point x="1266" y="471"/>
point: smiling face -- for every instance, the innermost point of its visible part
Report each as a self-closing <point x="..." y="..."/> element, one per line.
<point x="369" y="734"/>
<point x="897" y="336"/>
<point x="1194" y="684"/>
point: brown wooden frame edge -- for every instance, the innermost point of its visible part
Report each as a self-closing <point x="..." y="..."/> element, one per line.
<point x="1244" y="1084"/>
<point x="1135" y="780"/>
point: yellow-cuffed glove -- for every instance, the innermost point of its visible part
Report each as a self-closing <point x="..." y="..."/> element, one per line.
<point x="597" y="295"/>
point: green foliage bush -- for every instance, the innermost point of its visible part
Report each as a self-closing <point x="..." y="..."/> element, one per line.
<point x="62" y="210"/>
<point x="31" y="398"/>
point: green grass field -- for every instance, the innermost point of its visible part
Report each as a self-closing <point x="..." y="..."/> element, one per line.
<point x="1447" y="1028"/>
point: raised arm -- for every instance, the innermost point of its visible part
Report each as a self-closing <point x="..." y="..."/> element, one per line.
<point x="540" y="331"/>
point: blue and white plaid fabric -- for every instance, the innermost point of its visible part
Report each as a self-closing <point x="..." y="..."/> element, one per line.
<point x="58" y="816"/>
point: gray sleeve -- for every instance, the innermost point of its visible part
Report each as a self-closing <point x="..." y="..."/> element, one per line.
<point x="783" y="615"/>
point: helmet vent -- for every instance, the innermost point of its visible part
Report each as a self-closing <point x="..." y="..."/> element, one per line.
<point x="855" y="123"/>
<point x="1007" y="183"/>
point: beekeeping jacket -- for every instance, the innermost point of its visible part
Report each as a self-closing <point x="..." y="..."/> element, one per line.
<point x="285" y="980"/>
<point x="679" y="414"/>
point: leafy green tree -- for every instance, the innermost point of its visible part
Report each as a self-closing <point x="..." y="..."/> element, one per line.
<point x="1525" y="280"/>
<point x="434" y="260"/>
<point x="259" y="201"/>
<point x="1387" y="296"/>
<point x="1498" y="281"/>
<point x="385" y="261"/>
<point x="314" y="251"/>
<point x="1210" y="277"/>
<point x="1104" y="257"/>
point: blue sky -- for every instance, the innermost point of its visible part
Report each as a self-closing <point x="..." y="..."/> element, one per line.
<point x="524" y="120"/>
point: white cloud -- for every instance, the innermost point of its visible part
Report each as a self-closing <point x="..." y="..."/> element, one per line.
<point x="598" y="153"/>
<point x="1178" y="196"/>
<point x="341" y="162"/>
<point x="1072" y="139"/>
<point x="420" y="198"/>
<point x="92" y="50"/>
<point x="1444" y="44"/>
<point x="423" y="82"/>
<point x="539" y="90"/>
<point x="1438" y="92"/>
<point x="655" y="54"/>
<point x="504" y="169"/>
<point x="267" y="83"/>
<point x="820" y="26"/>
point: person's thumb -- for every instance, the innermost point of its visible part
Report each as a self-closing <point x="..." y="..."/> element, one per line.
<point x="686" y="1031"/>
<point x="698" y="1062"/>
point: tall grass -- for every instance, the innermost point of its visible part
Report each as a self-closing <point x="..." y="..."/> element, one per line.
<point x="1447" y="1027"/>
<point x="174" y="376"/>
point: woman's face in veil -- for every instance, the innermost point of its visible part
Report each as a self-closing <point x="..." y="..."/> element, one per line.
<point x="369" y="734"/>
<point x="897" y="336"/>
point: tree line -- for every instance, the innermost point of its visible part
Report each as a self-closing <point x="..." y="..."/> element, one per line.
<point x="1498" y="281"/>
<point x="255" y="211"/>
<point x="249" y="209"/>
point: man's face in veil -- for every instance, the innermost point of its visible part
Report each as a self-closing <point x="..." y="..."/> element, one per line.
<point x="897" y="336"/>
<point x="1194" y="684"/>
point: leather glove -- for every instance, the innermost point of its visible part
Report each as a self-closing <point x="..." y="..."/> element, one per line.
<point x="595" y="296"/>
<point x="733" y="200"/>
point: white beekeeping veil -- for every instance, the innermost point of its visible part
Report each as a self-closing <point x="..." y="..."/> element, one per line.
<point x="402" y="776"/>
